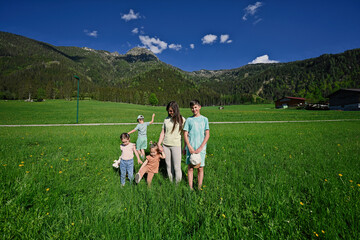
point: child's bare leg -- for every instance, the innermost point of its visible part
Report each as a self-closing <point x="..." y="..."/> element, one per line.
<point x="141" y="172"/>
<point x="200" y="176"/>
<point x="143" y="165"/>
<point x="142" y="152"/>
<point x="139" y="152"/>
<point x="190" y="176"/>
<point x="149" y="178"/>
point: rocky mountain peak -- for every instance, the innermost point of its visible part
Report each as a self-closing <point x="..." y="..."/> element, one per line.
<point x="140" y="54"/>
<point x="139" y="51"/>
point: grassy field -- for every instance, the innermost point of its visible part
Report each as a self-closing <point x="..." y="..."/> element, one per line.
<point x="59" y="111"/>
<point x="262" y="181"/>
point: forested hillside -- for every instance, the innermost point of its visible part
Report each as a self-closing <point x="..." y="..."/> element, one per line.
<point x="33" y="69"/>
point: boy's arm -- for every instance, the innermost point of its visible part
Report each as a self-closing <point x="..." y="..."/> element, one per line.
<point x="137" y="155"/>
<point x="207" y="136"/>
<point x="131" y="131"/>
<point x="152" y="119"/>
<point x="186" y="139"/>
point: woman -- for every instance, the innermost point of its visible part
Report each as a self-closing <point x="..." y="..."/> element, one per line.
<point x="171" y="136"/>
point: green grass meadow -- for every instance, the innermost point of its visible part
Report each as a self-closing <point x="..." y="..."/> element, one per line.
<point x="262" y="180"/>
<point x="64" y="112"/>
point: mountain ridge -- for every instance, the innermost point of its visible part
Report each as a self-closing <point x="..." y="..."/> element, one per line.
<point x="27" y="65"/>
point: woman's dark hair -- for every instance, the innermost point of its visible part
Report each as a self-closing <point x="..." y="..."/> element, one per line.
<point x="124" y="136"/>
<point x="176" y="118"/>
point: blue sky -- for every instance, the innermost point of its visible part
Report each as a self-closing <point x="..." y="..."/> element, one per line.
<point x="193" y="35"/>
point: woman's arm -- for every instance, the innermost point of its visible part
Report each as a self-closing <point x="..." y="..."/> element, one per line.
<point x="207" y="136"/>
<point x="161" y="138"/>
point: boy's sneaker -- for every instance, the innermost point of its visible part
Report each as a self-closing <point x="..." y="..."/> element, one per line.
<point x="137" y="178"/>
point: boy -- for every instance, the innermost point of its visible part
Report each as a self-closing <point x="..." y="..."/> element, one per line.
<point x="141" y="142"/>
<point x="196" y="135"/>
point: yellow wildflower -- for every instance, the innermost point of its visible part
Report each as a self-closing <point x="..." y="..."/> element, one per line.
<point x="73" y="224"/>
<point x="350" y="180"/>
<point x="325" y="180"/>
<point x="47" y="189"/>
<point x="47" y="213"/>
<point x="224" y="215"/>
<point x="27" y="171"/>
<point x="323" y="231"/>
<point x="340" y="174"/>
<point x="60" y="171"/>
<point x="301" y="203"/>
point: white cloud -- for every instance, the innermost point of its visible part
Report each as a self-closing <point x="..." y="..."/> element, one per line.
<point x="130" y="16"/>
<point x="135" y="31"/>
<point x="251" y="10"/>
<point x="176" y="47"/>
<point x="225" y="39"/>
<point x="154" y="44"/>
<point x="263" y="59"/>
<point x="91" y="34"/>
<point x="257" y="21"/>
<point x="192" y="46"/>
<point x="209" y="39"/>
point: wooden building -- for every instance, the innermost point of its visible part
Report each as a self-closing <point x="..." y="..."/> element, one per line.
<point x="286" y="102"/>
<point x="345" y="99"/>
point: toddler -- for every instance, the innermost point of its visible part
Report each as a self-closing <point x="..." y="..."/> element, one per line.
<point x="151" y="165"/>
<point x="127" y="158"/>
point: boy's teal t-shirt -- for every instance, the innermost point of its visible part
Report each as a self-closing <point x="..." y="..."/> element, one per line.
<point x="196" y="127"/>
<point x="142" y="128"/>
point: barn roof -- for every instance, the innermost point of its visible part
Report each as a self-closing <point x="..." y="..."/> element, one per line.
<point x="297" y="98"/>
<point x="345" y="90"/>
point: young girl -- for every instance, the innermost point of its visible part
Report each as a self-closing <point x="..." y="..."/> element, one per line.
<point x="127" y="158"/>
<point x="141" y="143"/>
<point x="170" y="136"/>
<point x="151" y="165"/>
<point x="196" y="135"/>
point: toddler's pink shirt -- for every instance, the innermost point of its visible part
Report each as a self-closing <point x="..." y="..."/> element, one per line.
<point x="127" y="151"/>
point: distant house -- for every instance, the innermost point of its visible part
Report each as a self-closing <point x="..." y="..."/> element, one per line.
<point x="286" y="102"/>
<point x="345" y="99"/>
